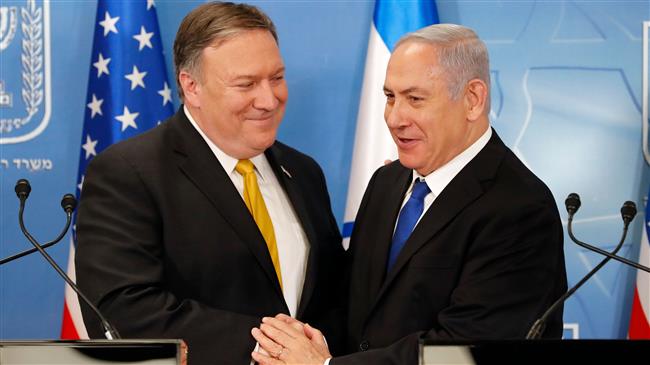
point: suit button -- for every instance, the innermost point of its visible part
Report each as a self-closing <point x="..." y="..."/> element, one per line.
<point x="364" y="345"/>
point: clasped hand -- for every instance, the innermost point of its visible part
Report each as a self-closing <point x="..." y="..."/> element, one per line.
<point x="289" y="341"/>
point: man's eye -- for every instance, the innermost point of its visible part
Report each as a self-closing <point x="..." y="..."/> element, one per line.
<point x="278" y="78"/>
<point x="414" y="98"/>
<point x="246" y="85"/>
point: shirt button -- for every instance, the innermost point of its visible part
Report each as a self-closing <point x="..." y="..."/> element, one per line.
<point x="364" y="345"/>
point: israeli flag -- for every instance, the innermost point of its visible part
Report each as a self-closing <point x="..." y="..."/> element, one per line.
<point x="373" y="143"/>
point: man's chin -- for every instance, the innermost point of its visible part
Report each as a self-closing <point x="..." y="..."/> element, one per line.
<point x="265" y="143"/>
<point x="408" y="160"/>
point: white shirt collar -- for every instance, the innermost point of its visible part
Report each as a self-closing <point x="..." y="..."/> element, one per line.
<point x="227" y="162"/>
<point x="441" y="177"/>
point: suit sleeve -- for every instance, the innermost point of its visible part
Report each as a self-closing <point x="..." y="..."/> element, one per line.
<point x="120" y="263"/>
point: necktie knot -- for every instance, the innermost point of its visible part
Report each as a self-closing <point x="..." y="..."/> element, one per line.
<point x="420" y="189"/>
<point x="244" y="167"/>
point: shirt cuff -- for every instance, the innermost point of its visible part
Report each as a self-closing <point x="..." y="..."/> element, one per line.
<point x="260" y="350"/>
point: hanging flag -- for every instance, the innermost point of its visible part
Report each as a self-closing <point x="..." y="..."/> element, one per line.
<point x="372" y="142"/>
<point x="640" y="317"/>
<point x="128" y="93"/>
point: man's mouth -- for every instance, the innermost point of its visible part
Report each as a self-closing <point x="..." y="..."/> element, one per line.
<point x="405" y="143"/>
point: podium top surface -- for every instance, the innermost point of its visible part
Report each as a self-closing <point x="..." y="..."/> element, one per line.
<point x="55" y="352"/>
<point x="532" y="352"/>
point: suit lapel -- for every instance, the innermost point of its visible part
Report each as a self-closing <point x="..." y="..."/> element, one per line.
<point x="285" y="173"/>
<point x="464" y="189"/>
<point x="195" y="159"/>
<point x="395" y="190"/>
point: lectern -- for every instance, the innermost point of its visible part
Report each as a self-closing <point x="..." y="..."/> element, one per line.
<point x="535" y="352"/>
<point x="91" y="352"/>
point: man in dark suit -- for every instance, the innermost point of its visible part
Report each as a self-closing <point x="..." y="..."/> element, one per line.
<point x="202" y="226"/>
<point x="457" y="239"/>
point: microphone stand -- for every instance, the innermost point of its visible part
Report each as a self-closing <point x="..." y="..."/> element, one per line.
<point x="610" y="255"/>
<point x="44" y="246"/>
<point x="572" y="203"/>
<point x="22" y="190"/>
<point x="538" y="327"/>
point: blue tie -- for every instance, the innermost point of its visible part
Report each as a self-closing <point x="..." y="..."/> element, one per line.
<point x="409" y="215"/>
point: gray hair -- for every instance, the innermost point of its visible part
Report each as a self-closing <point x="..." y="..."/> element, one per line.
<point x="461" y="53"/>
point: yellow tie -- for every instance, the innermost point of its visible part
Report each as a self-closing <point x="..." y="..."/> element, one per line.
<point x="255" y="204"/>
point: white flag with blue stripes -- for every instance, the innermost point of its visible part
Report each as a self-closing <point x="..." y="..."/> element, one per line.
<point x="373" y="143"/>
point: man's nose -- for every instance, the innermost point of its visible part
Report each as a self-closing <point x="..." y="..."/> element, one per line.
<point x="265" y="98"/>
<point x="394" y="115"/>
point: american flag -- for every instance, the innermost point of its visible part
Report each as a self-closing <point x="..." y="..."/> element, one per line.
<point x="640" y="316"/>
<point x="128" y="93"/>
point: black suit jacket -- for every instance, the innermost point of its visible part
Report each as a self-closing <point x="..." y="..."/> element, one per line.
<point x="168" y="249"/>
<point x="484" y="262"/>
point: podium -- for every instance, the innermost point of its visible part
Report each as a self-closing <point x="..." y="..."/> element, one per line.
<point x="124" y="352"/>
<point x="535" y="352"/>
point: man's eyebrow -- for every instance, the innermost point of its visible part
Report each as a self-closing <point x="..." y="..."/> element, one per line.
<point x="414" y="89"/>
<point x="253" y="77"/>
<point x="406" y="91"/>
<point x="243" y="77"/>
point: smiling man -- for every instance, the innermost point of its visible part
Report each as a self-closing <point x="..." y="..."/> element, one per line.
<point x="455" y="240"/>
<point x="202" y="226"/>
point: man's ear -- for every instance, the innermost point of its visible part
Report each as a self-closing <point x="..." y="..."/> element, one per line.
<point x="476" y="94"/>
<point x="191" y="88"/>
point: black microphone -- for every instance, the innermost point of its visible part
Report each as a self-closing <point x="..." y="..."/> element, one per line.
<point x="22" y="189"/>
<point x="68" y="203"/>
<point x="572" y="203"/>
<point x="628" y="211"/>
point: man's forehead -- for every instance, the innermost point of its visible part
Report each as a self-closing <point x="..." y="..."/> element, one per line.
<point x="415" y="48"/>
<point x="414" y="74"/>
<point x="245" y="54"/>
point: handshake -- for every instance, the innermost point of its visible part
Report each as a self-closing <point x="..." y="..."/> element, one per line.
<point x="285" y="340"/>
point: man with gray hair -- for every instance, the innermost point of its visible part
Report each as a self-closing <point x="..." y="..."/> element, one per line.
<point x="455" y="240"/>
<point x="205" y="224"/>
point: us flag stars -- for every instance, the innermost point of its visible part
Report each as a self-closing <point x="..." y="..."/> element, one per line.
<point x="89" y="147"/>
<point x="102" y="65"/>
<point x="127" y="119"/>
<point x="166" y="94"/>
<point x="128" y="89"/>
<point x="144" y="39"/>
<point x="136" y="77"/>
<point x="95" y="106"/>
<point x="109" y="24"/>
